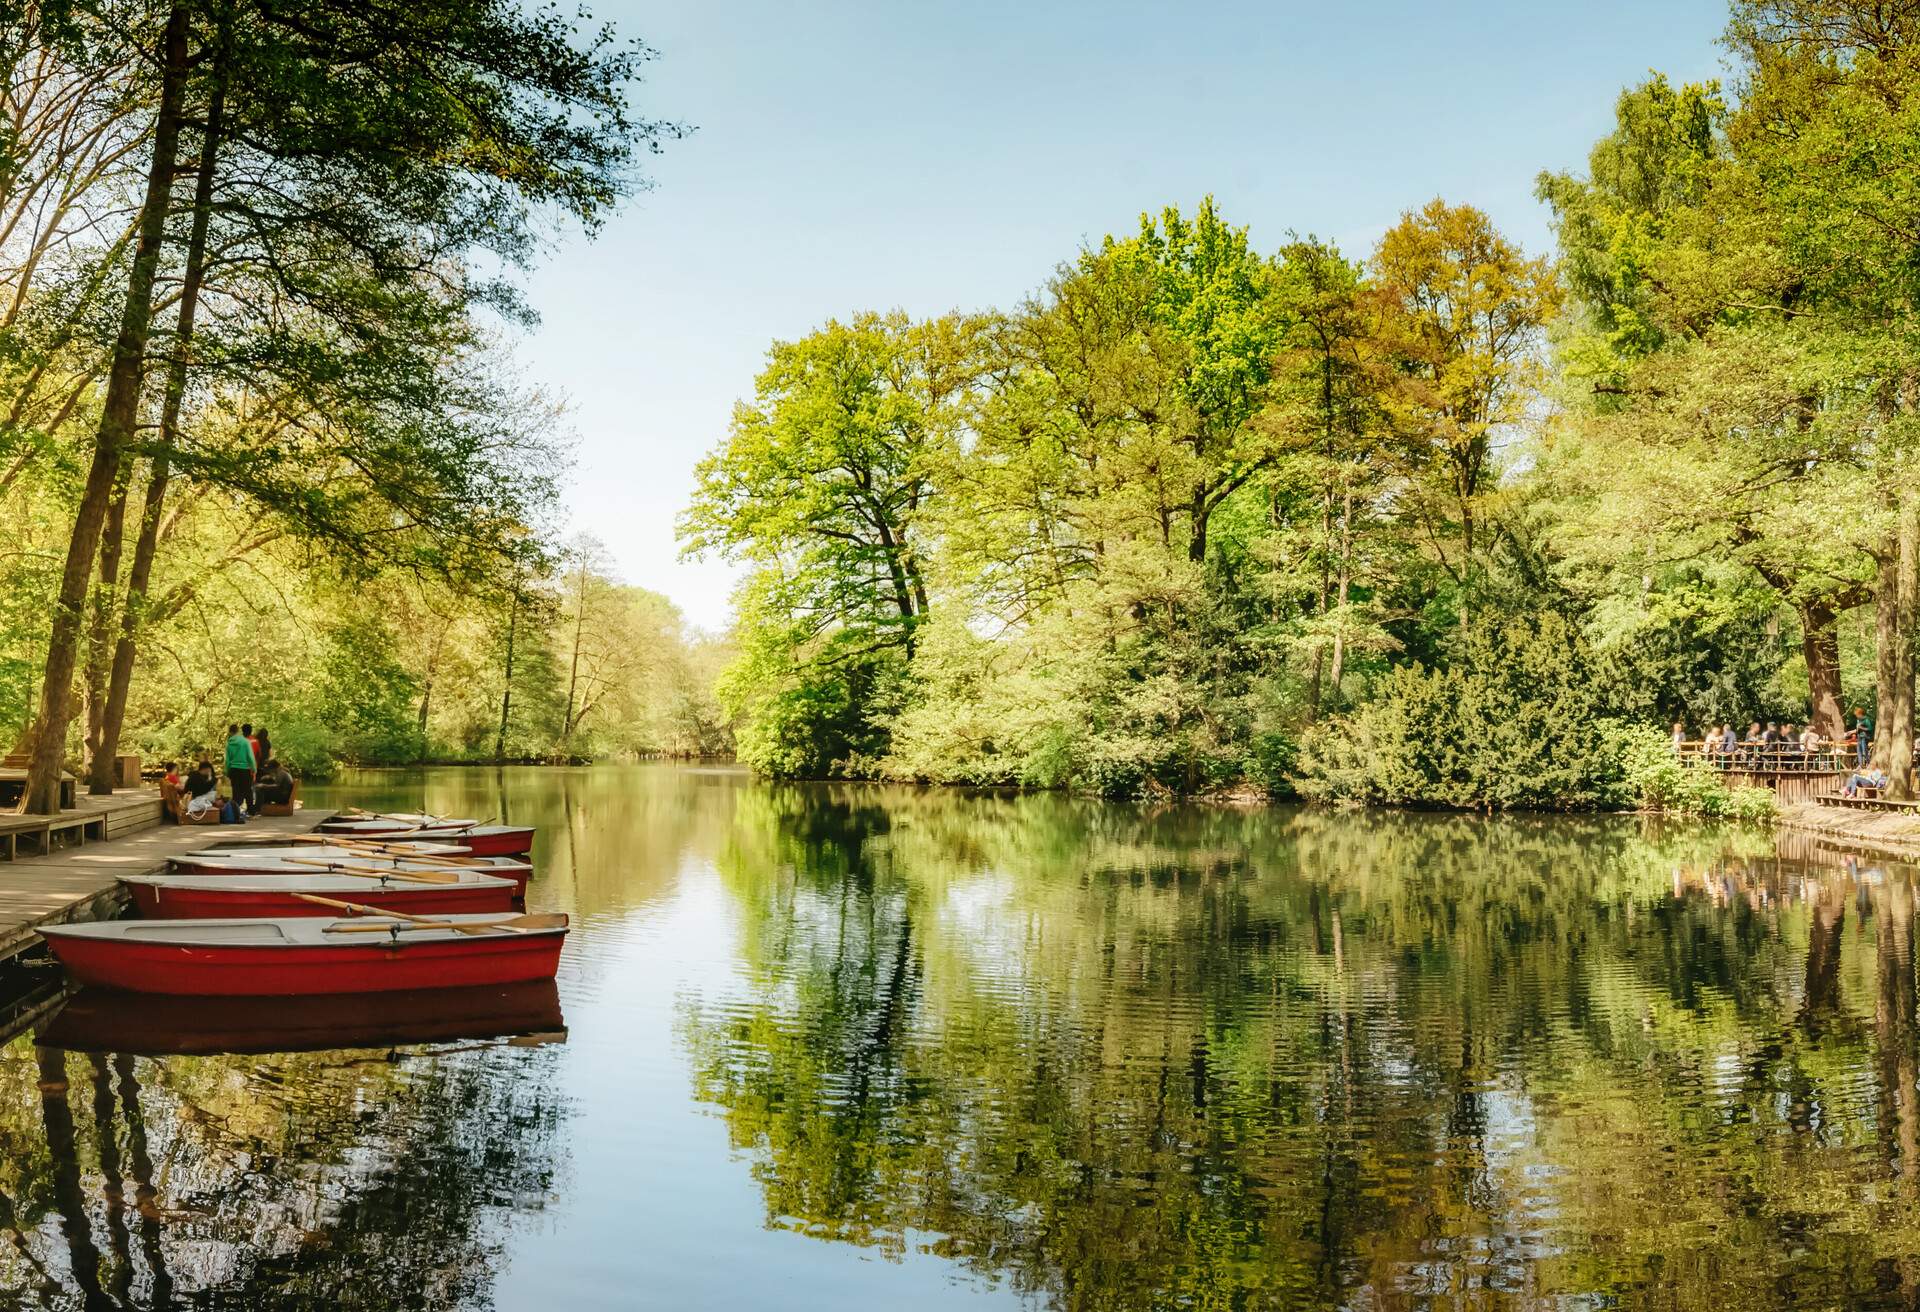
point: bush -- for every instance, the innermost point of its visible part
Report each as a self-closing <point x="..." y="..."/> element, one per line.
<point x="1658" y="780"/>
<point x="1755" y="805"/>
<point x="1513" y="723"/>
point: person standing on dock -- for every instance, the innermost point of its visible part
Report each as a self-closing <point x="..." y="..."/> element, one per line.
<point x="240" y="763"/>
<point x="1862" y="736"/>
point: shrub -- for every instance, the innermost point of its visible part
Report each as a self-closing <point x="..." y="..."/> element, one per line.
<point x="1755" y="805"/>
<point x="1658" y="780"/>
<point x="1513" y="723"/>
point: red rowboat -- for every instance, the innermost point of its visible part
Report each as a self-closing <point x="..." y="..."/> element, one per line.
<point x="476" y="840"/>
<point x="245" y="896"/>
<point x="299" y="861"/>
<point x="283" y="843"/>
<point x="307" y="955"/>
<point x="384" y="821"/>
<point x="106" y="1020"/>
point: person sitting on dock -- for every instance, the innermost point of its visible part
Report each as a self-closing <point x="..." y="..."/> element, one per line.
<point x="274" y="787"/>
<point x="1875" y="779"/>
<point x="171" y="775"/>
<point x="203" y="794"/>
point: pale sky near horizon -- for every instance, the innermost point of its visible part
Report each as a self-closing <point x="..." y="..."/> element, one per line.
<point x="932" y="156"/>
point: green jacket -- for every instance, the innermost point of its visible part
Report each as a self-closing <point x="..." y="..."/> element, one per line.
<point x="239" y="753"/>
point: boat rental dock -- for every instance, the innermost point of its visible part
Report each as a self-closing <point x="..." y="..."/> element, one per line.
<point x="77" y="880"/>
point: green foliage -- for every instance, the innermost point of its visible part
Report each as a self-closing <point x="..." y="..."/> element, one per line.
<point x="1660" y="781"/>
<point x="329" y="398"/>
<point x="370" y="696"/>
<point x="1514" y="722"/>
<point x="808" y="719"/>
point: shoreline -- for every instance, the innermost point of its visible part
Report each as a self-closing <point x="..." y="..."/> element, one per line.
<point x="1886" y="833"/>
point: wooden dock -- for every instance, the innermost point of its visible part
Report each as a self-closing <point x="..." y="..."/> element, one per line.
<point x="1788" y="785"/>
<point x="77" y="881"/>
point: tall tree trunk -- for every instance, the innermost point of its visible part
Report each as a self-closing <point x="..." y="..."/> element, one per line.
<point x="1886" y="627"/>
<point x="100" y="639"/>
<point x="147" y="543"/>
<point x="1199" y="512"/>
<point x="426" y="684"/>
<point x="1343" y="588"/>
<point x="919" y="586"/>
<point x="506" y="691"/>
<point x="1466" y="558"/>
<point x="573" y="672"/>
<point x="118" y="412"/>
<point x="893" y="549"/>
<point x="1820" y="642"/>
<point x="1899" y="730"/>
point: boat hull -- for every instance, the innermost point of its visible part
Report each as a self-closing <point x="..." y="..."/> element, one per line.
<point x="245" y="970"/>
<point x="509" y="841"/>
<point x="157" y="901"/>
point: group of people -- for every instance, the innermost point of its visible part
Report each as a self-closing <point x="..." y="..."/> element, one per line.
<point x="1778" y="744"/>
<point x="255" y="776"/>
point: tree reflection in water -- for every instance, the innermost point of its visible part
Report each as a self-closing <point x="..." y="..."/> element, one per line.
<point x="376" y="1179"/>
<point x="1210" y="1059"/>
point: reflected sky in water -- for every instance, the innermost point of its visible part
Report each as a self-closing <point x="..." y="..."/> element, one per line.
<point x="847" y="1047"/>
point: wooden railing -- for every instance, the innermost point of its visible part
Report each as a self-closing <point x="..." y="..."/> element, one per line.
<point x="1770" y="758"/>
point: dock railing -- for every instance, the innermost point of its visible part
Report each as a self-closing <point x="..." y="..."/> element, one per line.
<point x="1770" y="758"/>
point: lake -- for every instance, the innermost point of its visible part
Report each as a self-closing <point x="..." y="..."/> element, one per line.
<point x="845" y="1047"/>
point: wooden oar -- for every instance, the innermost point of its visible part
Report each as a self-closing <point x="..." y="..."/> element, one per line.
<point x="400" y="853"/>
<point x="510" y="925"/>
<point x="372" y="872"/>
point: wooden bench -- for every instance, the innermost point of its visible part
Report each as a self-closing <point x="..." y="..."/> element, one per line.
<point x="43" y="828"/>
<point x="287" y="807"/>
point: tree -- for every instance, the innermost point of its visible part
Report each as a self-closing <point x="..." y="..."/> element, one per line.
<point x="114" y="432"/>
<point x="1461" y="314"/>
<point x="826" y="484"/>
<point x="828" y="473"/>
<point x="1326" y="399"/>
<point x="346" y="206"/>
<point x="1210" y="296"/>
<point x="1741" y="421"/>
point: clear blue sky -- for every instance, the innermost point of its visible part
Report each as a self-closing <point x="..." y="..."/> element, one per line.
<point x="935" y="156"/>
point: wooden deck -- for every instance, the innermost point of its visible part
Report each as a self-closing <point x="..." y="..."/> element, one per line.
<point x="76" y="880"/>
<point x="1863" y="803"/>
<point x="1789" y="785"/>
<point x="88" y="819"/>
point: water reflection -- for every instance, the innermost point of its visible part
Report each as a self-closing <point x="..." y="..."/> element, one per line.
<point x="1031" y="1050"/>
<point x="349" y="1177"/>
<point x="1218" y="1059"/>
<point x="104" y="1020"/>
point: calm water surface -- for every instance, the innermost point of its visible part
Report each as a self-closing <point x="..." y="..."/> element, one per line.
<point x="842" y="1047"/>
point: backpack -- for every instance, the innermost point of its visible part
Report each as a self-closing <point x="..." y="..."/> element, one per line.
<point x="230" y="814"/>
